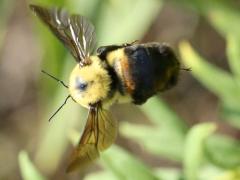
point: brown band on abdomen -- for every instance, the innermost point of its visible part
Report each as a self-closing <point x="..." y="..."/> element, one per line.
<point x="127" y="75"/>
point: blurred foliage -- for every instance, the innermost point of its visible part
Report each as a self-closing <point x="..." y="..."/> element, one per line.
<point x="28" y="170"/>
<point x="202" y="154"/>
<point x="114" y="159"/>
<point x="194" y="149"/>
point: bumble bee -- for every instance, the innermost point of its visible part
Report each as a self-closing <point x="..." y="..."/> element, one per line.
<point x="127" y="73"/>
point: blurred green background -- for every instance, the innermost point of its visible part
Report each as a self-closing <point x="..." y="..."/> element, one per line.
<point x="190" y="132"/>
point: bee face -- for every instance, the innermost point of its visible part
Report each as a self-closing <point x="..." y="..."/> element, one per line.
<point x="89" y="84"/>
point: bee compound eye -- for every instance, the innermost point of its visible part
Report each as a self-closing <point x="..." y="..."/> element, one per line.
<point x="82" y="86"/>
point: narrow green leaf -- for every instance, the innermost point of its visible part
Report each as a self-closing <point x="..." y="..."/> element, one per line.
<point x="233" y="52"/>
<point x="103" y="175"/>
<point x="124" y="166"/>
<point x="215" y="79"/>
<point x="164" y="142"/>
<point x="27" y="169"/>
<point x="169" y="173"/>
<point x="161" y="115"/>
<point x="194" y="149"/>
<point x="223" y="151"/>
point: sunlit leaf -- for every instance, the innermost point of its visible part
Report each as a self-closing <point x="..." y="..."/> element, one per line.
<point x="125" y="166"/>
<point x="27" y="169"/>
<point x="233" y="52"/>
<point x="223" y="151"/>
<point x="159" y="141"/>
<point x="210" y="172"/>
<point x="103" y="175"/>
<point x="168" y="173"/>
<point x="194" y="149"/>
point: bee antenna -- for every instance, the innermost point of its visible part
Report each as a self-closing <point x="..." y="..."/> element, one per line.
<point x="59" y="108"/>
<point x="56" y="79"/>
<point x="186" y="69"/>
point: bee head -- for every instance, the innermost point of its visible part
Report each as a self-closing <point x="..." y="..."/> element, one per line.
<point x="89" y="84"/>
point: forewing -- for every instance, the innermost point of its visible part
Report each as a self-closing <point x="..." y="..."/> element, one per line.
<point x="75" y="31"/>
<point x="99" y="133"/>
<point x="84" y="34"/>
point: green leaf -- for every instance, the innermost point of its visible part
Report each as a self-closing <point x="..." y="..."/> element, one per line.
<point x="125" y="166"/>
<point x="168" y="173"/>
<point x="163" y="142"/>
<point x="215" y="79"/>
<point x="161" y="115"/>
<point x="194" y="149"/>
<point x="210" y="172"/>
<point x="233" y="52"/>
<point x="223" y="151"/>
<point x="231" y="113"/>
<point x="27" y="169"/>
<point x="119" y="22"/>
<point x="103" y="175"/>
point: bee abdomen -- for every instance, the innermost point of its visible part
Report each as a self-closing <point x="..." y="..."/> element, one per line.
<point x="149" y="68"/>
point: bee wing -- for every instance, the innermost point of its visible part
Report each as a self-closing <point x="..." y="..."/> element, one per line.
<point x="99" y="133"/>
<point x="107" y="129"/>
<point x="75" y="31"/>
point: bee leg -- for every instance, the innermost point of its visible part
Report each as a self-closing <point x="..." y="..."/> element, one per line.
<point x="186" y="69"/>
<point x="129" y="44"/>
<point x="58" y="80"/>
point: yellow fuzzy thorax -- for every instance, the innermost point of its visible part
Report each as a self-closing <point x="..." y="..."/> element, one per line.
<point x="97" y="79"/>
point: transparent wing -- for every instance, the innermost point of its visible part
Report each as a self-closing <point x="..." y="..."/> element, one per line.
<point x="107" y="129"/>
<point x="99" y="133"/>
<point x="75" y="31"/>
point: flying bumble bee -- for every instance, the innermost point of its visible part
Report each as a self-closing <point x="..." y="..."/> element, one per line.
<point x="127" y="73"/>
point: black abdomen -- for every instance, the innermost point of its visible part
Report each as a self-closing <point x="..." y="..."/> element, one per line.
<point x="153" y="67"/>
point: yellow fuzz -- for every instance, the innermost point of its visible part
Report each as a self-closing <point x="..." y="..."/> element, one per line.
<point x="117" y="98"/>
<point x="97" y="79"/>
<point x="114" y="59"/>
